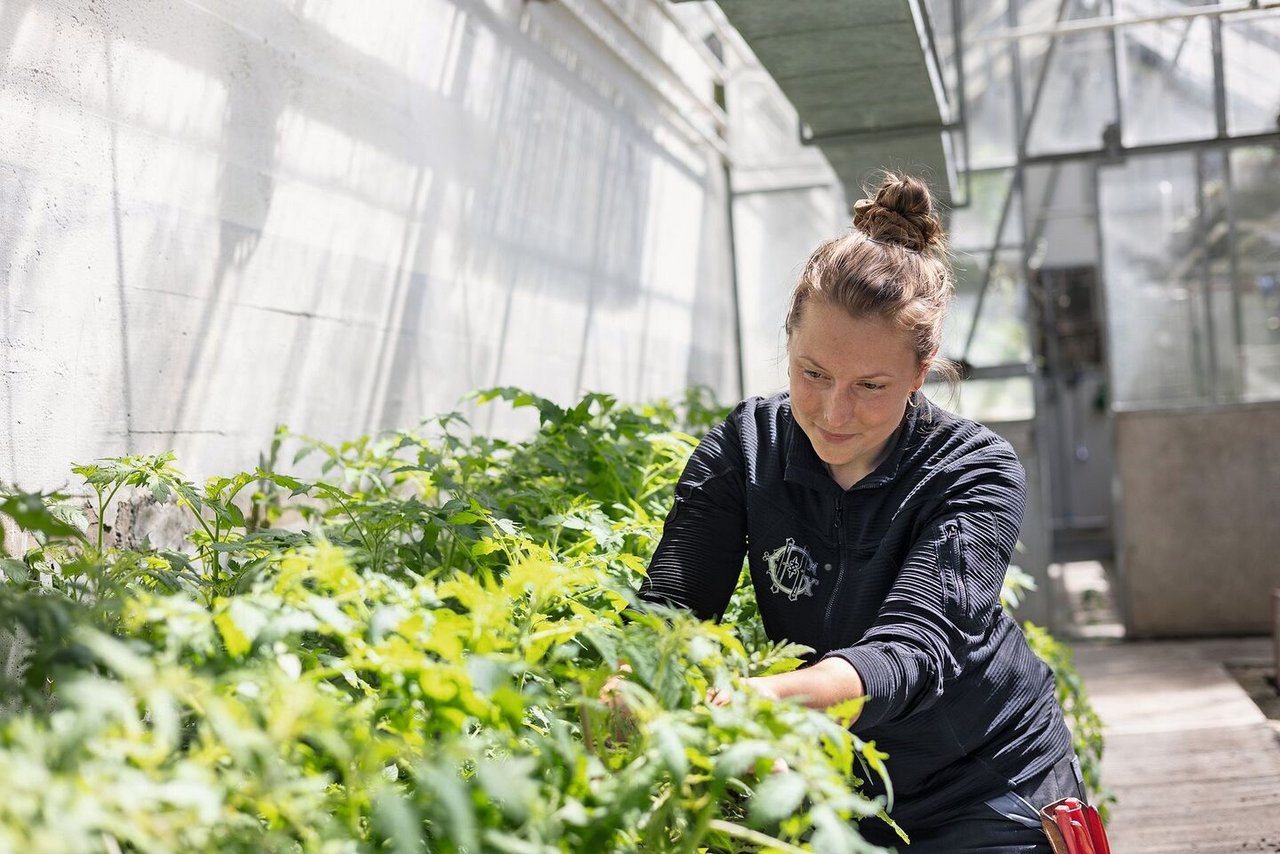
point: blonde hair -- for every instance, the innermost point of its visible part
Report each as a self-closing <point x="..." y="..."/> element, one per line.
<point x="892" y="264"/>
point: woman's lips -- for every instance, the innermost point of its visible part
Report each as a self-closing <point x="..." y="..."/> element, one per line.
<point x="834" y="438"/>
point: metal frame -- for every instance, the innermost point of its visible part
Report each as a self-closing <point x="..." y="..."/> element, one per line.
<point x="955" y="101"/>
<point x="1113" y="23"/>
<point x="1112" y="150"/>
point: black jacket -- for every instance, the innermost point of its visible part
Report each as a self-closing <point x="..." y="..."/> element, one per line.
<point x="900" y="575"/>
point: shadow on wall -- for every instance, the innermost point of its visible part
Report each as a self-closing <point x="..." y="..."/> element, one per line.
<point x="246" y="184"/>
<point x="393" y="227"/>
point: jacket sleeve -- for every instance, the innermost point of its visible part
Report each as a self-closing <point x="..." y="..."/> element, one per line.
<point x="947" y="596"/>
<point x="699" y="558"/>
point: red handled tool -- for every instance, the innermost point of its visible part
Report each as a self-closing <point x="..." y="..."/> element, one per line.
<point x="1074" y="827"/>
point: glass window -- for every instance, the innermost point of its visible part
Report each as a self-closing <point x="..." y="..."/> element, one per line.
<point x="1191" y="265"/>
<point x="973" y="227"/>
<point x="1251" y="59"/>
<point x="988" y="80"/>
<point x="1255" y="174"/>
<point x="1149" y="217"/>
<point x="1077" y="101"/>
<point x="1167" y="81"/>
<point x="1000" y="337"/>
<point x="1011" y="399"/>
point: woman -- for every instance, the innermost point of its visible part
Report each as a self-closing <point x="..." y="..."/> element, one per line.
<point x="878" y="529"/>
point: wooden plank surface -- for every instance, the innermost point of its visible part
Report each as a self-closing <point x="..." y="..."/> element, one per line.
<point x="1192" y="760"/>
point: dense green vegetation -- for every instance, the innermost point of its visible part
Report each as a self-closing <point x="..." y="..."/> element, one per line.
<point x="398" y="643"/>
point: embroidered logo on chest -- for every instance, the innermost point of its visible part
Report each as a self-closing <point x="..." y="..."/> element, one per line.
<point x="792" y="570"/>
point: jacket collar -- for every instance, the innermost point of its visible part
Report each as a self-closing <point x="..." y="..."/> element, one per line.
<point x="803" y="466"/>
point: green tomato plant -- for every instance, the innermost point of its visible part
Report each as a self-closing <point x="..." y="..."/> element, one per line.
<point x="398" y="643"/>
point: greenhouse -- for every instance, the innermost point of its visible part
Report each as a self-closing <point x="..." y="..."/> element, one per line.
<point x="640" y="425"/>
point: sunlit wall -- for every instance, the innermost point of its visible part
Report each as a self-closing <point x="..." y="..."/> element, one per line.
<point x="344" y="217"/>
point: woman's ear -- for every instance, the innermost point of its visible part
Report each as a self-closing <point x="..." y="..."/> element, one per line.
<point x="923" y="371"/>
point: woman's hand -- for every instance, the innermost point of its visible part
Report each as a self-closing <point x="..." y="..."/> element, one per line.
<point x="609" y="691"/>
<point x="827" y="683"/>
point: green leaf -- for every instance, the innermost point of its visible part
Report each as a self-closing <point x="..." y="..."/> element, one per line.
<point x="15" y="570"/>
<point x="395" y="821"/>
<point x="510" y="785"/>
<point x="31" y="512"/>
<point x="779" y="796"/>
<point x="847" y="712"/>
<point x="670" y="749"/>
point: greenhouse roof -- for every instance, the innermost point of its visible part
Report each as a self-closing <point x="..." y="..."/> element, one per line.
<point x="862" y="76"/>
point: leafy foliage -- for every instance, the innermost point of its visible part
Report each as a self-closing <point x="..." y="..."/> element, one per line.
<point x="398" y="643"/>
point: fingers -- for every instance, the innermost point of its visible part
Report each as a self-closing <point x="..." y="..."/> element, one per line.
<point x="609" y="691"/>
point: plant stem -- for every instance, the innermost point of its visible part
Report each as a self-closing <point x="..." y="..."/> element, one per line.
<point x="755" y="837"/>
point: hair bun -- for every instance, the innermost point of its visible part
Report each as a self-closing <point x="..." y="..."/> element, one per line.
<point x="901" y="213"/>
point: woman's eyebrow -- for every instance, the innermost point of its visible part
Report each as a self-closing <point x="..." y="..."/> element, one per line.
<point x="874" y="375"/>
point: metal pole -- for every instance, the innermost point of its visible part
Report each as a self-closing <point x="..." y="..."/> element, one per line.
<point x="957" y="38"/>
<point x="733" y="281"/>
<point x="1093" y="24"/>
<point x="1203" y="349"/>
<point x="1266" y="138"/>
<point x="1233" y="258"/>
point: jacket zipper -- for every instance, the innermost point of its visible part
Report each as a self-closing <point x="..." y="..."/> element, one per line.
<point x="949" y="557"/>
<point x="835" y="590"/>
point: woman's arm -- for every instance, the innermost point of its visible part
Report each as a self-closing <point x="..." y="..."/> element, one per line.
<point x="704" y="540"/>
<point x="829" y="682"/>
<point x="947" y="595"/>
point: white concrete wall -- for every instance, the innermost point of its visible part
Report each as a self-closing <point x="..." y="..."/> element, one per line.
<point x="219" y="215"/>
<point x="1199" y="504"/>
<point x="787" y="200"/>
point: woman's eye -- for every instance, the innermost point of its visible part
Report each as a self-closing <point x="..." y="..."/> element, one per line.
<point x="813" y="375"/>
<point x="873" y="386"/>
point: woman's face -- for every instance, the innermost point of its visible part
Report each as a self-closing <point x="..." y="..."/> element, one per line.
<point x="850" y="380"/>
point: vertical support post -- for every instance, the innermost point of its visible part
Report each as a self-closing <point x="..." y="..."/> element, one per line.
<point x="1206" y="355"/>
<point x="1219" y="77"/>
<point x="733" y="280"/>
<point x="1275" y="632"/>
<point x="1115" y="78"/>
<point x="1233" y="259"/>
<point x="1022" y="129"/>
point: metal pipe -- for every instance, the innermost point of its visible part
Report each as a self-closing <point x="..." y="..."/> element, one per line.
<point x="1233" y="259"/>
<point x="733" y="280"/>
<point x="1086" y="25"/>
<point x="957" y="37"/>
<point x="892" y="132"/>
<point x="1116" y="100"/>
<point x="1219" y="79"/>
<point x="1206" y="361"/>
<point x="1268" y="138"/>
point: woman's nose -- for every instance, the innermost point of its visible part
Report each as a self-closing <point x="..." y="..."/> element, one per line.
<point x="839" y="410"/>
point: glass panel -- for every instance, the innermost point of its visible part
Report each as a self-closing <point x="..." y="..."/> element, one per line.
<point x="987" y="400"/>
<point x="1001" y="334"/>
<point x="1077" y="101"/>
<point x="1213" y="269"/>
<point x="1255" y="173"/>
<point x="1167" y="77"/>
<point x="974" y="227"/>
<point x="1150" y="220"/>
<point x="1251" y="56"/>
<point x="988" y="69"/>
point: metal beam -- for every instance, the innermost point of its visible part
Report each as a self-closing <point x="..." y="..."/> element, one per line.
<point x="1085" y="25"/>
<point x="1120" y="153"/>
<point x="808" y="137"/>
